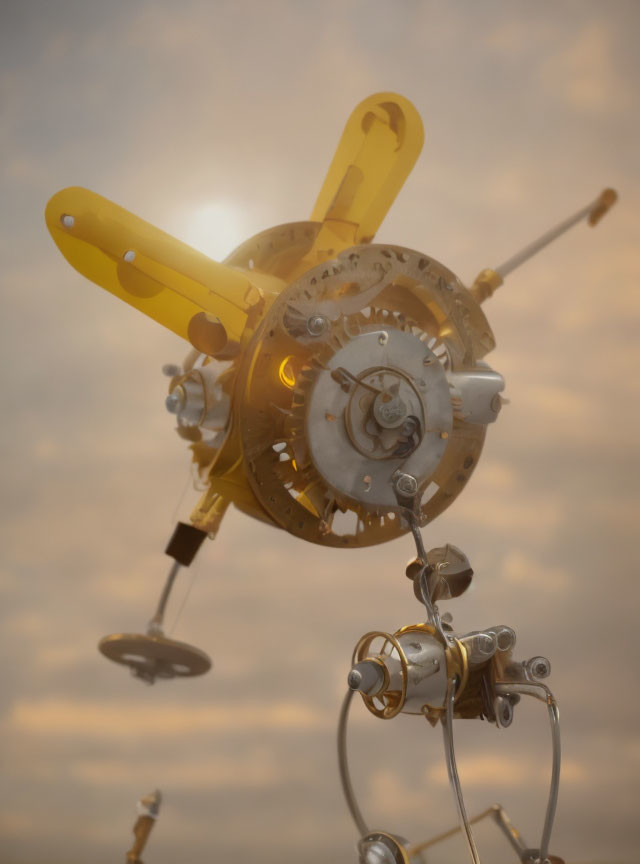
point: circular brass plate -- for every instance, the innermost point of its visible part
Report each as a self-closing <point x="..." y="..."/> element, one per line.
<point x="151" y="657"/>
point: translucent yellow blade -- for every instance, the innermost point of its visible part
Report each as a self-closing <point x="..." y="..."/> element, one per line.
<point x="152" y="271"/>
<point x="379" y="147"/>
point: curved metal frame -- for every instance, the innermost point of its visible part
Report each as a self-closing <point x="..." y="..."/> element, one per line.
<point x="544" y="694"/>
<point x="535" y="689"/>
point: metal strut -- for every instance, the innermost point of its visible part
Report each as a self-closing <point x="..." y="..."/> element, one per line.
<point x="155" y="624"/>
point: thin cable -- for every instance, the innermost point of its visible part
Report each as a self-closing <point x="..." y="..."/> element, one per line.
<point x="187" y="593"/>
<point x="181" y="498"/>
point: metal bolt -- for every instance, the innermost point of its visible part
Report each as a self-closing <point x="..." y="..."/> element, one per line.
<point x="67" y="220"/>
<point x="354" y="679"/>
<point x="504" y="711"/>
<point x="316" y="325"/>
<point x="539" y="667"/>
<point x="129" y="256"/>
<point x="383" y="338"/>
<point x="406" y="484"/>
<point x="173" y="403"/>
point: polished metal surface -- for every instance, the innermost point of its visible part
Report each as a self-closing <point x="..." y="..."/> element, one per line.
<point x="355" y="431"/>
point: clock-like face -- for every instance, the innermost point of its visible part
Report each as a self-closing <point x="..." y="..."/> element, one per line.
<point x="365" y="375"/>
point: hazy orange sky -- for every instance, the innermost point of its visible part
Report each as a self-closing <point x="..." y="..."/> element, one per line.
<point x="214" y="120"/>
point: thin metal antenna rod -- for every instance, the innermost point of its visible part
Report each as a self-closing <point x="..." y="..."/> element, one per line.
<point x="594" y="211"/>
<point x="487" y="281"/>
<point x="155" y="624"/>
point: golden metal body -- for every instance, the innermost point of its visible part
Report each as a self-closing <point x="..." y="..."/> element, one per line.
<point x="243" y="311"/>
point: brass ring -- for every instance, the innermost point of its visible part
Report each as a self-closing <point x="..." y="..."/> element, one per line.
<point x="360" y="654"/>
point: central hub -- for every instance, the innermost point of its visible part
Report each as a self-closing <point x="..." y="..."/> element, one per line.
<point x="380" y="404"/>
<point x="388" y="408"/>
<point x="385" y="414"/>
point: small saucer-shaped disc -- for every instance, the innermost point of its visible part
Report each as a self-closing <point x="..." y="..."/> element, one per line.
<point x="151" y="657"/>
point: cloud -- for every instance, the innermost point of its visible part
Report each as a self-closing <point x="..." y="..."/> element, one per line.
<point x="508" y="772"/>
<point x="64" y="718"/>
<point x="254" y="769"/>
<point x="584" y="73"/>
<point x="520" y="570"/>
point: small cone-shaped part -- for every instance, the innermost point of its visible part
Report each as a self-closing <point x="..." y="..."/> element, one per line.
<point x="368" y="677"/>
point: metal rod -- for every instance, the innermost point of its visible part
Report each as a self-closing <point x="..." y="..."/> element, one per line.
<point x="343" y="765"/>
<point x="542" y="692"/>
<point x="511" y="833"/>
<point x="155" y="624"/>
<point x="593" y="211"/>
<point x="454" y="779"/>
<point x="432" y="611"/>
<point x="440" y="838"/>
<point x="501" y="819"/>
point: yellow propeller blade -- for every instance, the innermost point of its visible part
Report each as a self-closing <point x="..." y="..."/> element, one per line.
<point x="378" y="148"/>
<point x="152" y="271"/>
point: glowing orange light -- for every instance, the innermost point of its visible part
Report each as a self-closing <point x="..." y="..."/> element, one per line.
<point x="286" y="374"/>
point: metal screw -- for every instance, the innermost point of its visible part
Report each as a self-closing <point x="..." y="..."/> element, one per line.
<point x="383" y="338"/>
<point x="67" y="220"/>
<point x="406" y="484"/>
<point x="504" y="711"/>
<point x="173" y="402"/>
<point x="316" y="325"/>
<point x="354" y="679"/>
<point x="129" y="256"/>
<point x="539" y="667"/>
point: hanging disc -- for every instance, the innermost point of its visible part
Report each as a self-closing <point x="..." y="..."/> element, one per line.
<point x="157" y="656"/>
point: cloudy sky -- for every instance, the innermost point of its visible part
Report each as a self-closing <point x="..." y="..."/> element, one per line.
<point x="214" y="120"/>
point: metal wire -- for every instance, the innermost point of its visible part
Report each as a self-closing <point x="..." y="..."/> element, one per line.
<point x="343" y="766"/>
<point x="542" y="692"/>
<point x="454" y="779"/>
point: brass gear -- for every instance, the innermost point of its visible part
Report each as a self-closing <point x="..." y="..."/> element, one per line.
<point x="402" y="290"/>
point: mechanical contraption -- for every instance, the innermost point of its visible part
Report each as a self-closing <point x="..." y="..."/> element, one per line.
<point x="428" y="670"/>
<point x="337" y="389"/>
